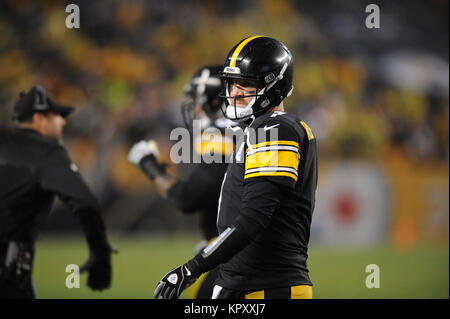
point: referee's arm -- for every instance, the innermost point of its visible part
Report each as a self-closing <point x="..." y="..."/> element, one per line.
<point x="60" y="176"/>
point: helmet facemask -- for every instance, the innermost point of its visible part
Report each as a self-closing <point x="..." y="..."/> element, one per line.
<point x="202" y="102"/>
<point x="190" y="112"/>
<point x="230" y="108"/>
<point x="264" y="99"/>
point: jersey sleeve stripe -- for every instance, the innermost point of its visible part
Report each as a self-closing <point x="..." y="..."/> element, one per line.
<point x="308" y="130"/>
<point x="293" y="176"/>
<point x="271" y="169"/>
<point x="273" y="148"/>
<point x="270" y="143"/>
<point x="272" y="158"/>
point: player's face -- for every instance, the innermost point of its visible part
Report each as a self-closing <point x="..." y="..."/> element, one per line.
<point x="53" y="125"/>
<point x="240" y="89"/>
<point x="198" y="110"/>
<point x="201" y="116"/>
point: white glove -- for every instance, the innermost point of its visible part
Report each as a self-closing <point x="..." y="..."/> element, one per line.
<point x="142" y="149"/>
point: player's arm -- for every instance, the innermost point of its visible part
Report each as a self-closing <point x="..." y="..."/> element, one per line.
<point x="235" y="238"/>
<point x="186" y="195"/>
<point x="145" y="155"/>
<point x="58" y="175"/>
<point x="269" y="171"/>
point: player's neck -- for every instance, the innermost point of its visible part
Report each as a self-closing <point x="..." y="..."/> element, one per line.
<point x="279" y="108"/>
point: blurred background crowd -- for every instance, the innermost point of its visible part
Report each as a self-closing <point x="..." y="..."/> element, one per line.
<point x="377" y="100"/>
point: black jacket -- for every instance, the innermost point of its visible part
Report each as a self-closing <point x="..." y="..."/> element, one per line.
<point x="34" y="170"/>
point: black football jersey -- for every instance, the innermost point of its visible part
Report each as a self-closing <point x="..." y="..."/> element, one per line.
<point x="281" y="150"/>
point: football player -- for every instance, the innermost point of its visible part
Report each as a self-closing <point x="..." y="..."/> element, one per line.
<point x="268" y="192"/>
<point x="199" y="192"/>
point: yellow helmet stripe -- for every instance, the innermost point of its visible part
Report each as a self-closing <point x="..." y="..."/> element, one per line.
<point x="239" y="49"/>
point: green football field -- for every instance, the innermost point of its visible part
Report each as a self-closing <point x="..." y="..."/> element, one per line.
<point x="421" y="272"/>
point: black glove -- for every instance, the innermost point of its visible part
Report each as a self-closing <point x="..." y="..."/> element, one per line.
<point x="99" y="267"/>
<point x="152" y="168"/>
<point x="175" y="281"/>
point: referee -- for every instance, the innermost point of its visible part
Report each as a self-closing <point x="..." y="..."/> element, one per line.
<point x="34" y="169"/>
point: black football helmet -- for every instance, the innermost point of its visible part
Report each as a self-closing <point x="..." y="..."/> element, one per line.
<point x="265" y="62"/>
<point x="203" y="89"/>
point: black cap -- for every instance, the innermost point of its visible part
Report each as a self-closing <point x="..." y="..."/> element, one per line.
<point x="37" y="100"/>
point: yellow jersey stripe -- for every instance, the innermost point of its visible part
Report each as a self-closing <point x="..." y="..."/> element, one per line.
<point x="271" y="169"/>
<point x="225" y="148"/>
<point x="272" y="158"/>
<point x="308" y="130"/>
<point x="271" y="174"/>
<point x="239" y="49"/>
<point x="271" y="143"/>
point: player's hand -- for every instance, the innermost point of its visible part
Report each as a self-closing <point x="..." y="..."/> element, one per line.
<point x="174" y="282"/>
<point x="142" y="149"/>
<point x="99" y="267"/>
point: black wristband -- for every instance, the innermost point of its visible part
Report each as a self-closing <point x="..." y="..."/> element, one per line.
<point x="151" y="167"/>
<point x="194" y="266"/>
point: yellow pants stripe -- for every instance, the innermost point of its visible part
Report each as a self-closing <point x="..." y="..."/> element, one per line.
<point x="297" y="292"/>
<point x="255" y="295"/>
<point x="301" y="292"/>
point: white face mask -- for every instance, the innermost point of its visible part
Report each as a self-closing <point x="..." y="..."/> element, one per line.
<point x="237" y="113"/>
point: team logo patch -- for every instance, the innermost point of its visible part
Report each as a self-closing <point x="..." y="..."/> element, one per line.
<point x="173" y="278"/>
<point x="233" y="70"/>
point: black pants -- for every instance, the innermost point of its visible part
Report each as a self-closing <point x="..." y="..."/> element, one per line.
<point x="16" y="263"/>
<point x="14" y="289"/>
